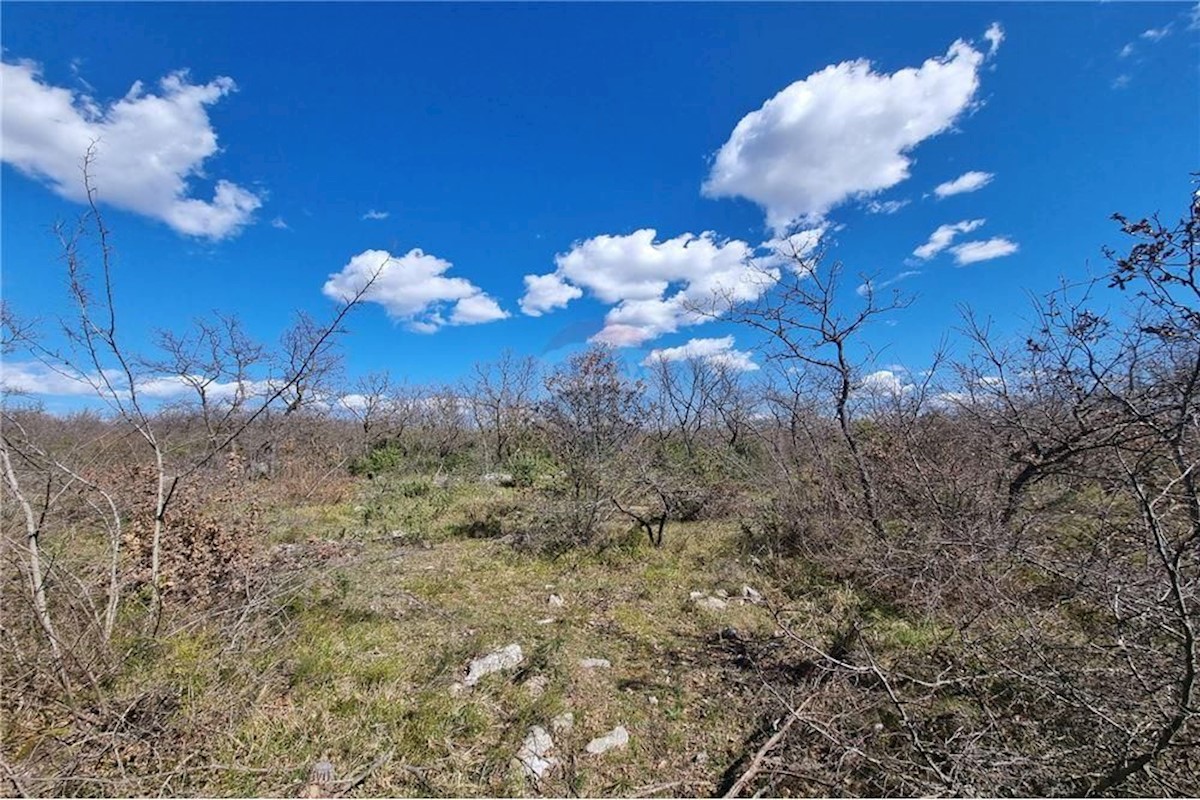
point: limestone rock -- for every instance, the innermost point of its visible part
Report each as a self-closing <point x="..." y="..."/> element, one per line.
<point x="502" y="659"/>
<point x="617" y="737"/>
<point x="534" y="755"/>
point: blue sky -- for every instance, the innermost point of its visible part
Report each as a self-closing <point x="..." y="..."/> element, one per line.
<point x="506" y="141"/>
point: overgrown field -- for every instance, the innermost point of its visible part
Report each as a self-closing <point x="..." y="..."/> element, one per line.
<point x="372" y="621"/>
<point x="978" y="578"/>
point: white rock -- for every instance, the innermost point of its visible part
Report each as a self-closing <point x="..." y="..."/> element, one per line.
<point x="617" y="737"/>
<point x="498" y="479"/>
<point x="751" y="595"/>
<point x="652" y="700"/>
<point x="534" y="754"/>
<point x="456" y="689"/>
<point x="502" y="659"/>
<point x="563" y="723"/>
<point x="545" y="621"/>
<point x="695" y="595"/>
<point x="555" y="600"/>
<point x="701" y="757"/>
<point x="711" y="603"/>
<point x="595" y="663"/>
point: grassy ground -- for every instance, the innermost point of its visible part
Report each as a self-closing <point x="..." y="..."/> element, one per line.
<point x="397" y="605"/>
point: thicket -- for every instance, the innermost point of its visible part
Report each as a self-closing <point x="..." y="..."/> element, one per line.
<point x="1034" y="505"/>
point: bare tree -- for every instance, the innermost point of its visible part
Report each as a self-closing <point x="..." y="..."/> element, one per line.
<point x="500" y="396"/>
<point x="590" y="420"/>
<point x="97" y="357"/>
<point x="812" y="334"/>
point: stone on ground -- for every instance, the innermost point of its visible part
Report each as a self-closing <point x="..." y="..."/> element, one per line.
<point x="534" y="754"/>
<point x="617" y="737"/>
<point x="502" y="659"/>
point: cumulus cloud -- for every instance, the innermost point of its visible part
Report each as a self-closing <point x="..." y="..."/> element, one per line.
<point x="844" y="132"/>
<point x="942" y="238"/>
<point x="149" y="147"/>
<point x="715" y="351"/>
<point x="655" y="287"/>
<point x="972" y="252"/>
<point x="475" y="309"/>
<point x="35" y="378"/>
<point x="883" y="383"/>
<point x="547" y="292"/>
<point x="373" y="214"/>
<point x="173" y="387"/>
<point x="32" y="377"/>
<point x="413" y="288"/>
<point x="791" y="249"/>
<point x="971" y="181"/>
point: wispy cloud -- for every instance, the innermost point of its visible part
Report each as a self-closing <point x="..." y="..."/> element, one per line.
<point x="971" y="181"/>
<point x="973" y="252"/>
<point x="373" y="214"/>
<point x="886" y="206"/>
<point x="1157" y="34"/>
<point x="875" y="286"/>
<point x="1121" y="81"/>
<point x="943" y="237"/>
<point x="279" y="223"/>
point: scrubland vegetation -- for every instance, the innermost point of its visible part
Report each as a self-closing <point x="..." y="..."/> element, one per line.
<point x="814" y="579"/>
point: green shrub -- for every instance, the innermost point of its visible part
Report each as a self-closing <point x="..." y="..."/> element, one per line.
<point x="384" y="457"/>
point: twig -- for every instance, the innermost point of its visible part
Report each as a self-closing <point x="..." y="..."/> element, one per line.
<point x="757" y="761"/>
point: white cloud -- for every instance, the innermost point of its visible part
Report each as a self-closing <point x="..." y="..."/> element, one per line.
<point x="547" y="292"/>
<point x="1194" y="18"/>
<point x="971" y="181"/>
<point x="149" y="147"/>
<point x="1157" y="34"/>
<point x="790" y="249"/>
<point x="995" y="36"/>
<point x="35" y="378"/>
<point x="972" y="252"/>
<point x="886" y="206"/>
<point x="715" y="351"/>
<point x="655" y="287"/>
<point x="942" y="238"/>
<point x="841" y="133"/>
<point x="373" y="214"/>
<point x="414" y="288"/>
<point x="476" y="309"/>
<point x="1121" y="81"/>
<point x="879" y="286"/>
<point x="1126" y="51"/>
<point x="32" y="377"/>
<point x="169" y="387"/>
<point x="281" y="224"/>
<point x="883" y="383"/>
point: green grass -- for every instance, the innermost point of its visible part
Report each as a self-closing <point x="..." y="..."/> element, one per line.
<point x="370" y="648"/>
<point x="374" y="652"/>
